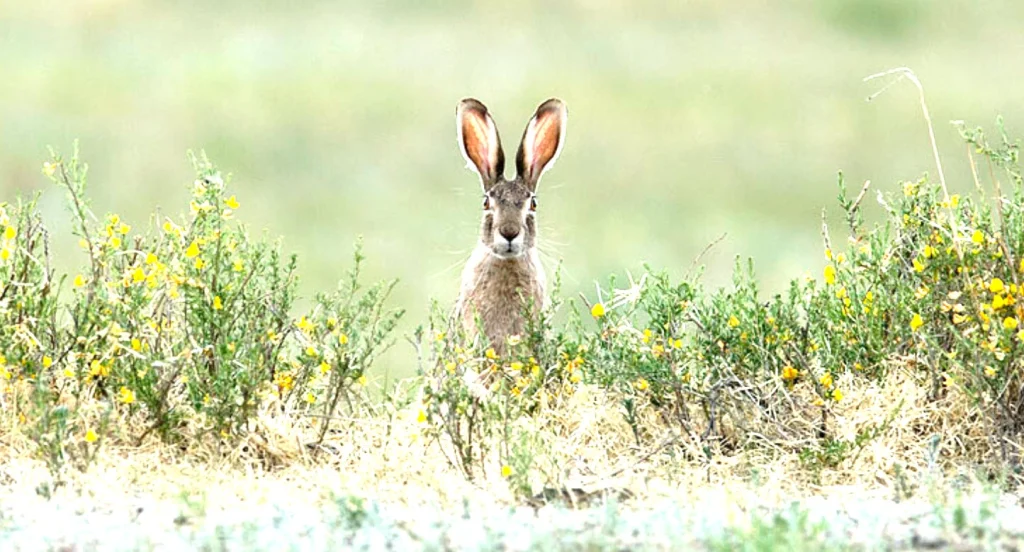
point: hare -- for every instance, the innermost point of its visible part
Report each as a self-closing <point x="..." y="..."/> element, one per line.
<point x="504" y="273"/>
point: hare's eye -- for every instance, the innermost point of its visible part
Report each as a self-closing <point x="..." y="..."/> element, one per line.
<point x="533" y="203"/>
<point x="487" y="203"/>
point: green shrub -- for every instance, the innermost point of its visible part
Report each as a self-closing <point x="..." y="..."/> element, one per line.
<point x="476" y="403"/>
<point x="184" y="329"/>
<point x="935" y="289"/>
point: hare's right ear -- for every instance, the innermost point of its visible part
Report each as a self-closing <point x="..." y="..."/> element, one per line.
<point x="542" y="142"/>
<point x="479" y="142"/>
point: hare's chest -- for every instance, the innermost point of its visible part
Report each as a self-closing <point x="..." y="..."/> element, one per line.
<point x="497" y="283"/>
<point x="498" y="290"/>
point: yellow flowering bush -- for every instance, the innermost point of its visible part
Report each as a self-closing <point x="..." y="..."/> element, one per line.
<point x="475" y="400"/>
<point x="937" y="287"/>
<point x="189" y="320"/>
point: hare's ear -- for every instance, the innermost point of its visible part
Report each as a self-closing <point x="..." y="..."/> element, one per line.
<point x="479" y="142"/>
<point x="542" y="141"/>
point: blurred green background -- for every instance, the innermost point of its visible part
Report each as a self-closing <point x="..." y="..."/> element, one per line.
<point x="687" y="120"/>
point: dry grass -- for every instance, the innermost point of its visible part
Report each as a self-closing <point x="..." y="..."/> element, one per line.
<point x="929" y="444"/>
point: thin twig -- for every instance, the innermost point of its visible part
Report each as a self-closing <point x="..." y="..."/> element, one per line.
<point x="905" y="72"/>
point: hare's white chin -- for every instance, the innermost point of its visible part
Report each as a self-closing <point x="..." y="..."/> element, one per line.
<point x="507" y="250"/>
<point x="506" y="255"/>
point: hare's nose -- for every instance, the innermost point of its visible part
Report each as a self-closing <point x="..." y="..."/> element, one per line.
<point x="509" y="233"/>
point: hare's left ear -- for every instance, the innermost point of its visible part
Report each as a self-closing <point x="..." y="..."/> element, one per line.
<point x="542" y="141"/>
<point x="479" y="142"/>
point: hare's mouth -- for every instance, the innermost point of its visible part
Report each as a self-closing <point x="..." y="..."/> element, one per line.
<point x="507" y="251"/>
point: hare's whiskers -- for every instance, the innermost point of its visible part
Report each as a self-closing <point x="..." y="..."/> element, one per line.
<point x="461" y="261"/>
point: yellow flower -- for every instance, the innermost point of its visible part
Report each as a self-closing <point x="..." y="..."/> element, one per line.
<point x="5" y="253"/>
<point x="998" y="302"/>
<point x="506" y="471"/>
<point x="733" y="322"/>
<point x="200" y="264"/>
<point x="916" y="322"/>
<point x="929" y="252"/>
<point x="98" y="369"/>
<point x="305" y="324"/>
<point x="231" y="202"/>
<point x="310" y="398"/>
<point x="10" y="232"/>
<point x="869" y="298"/>
<point x="127" y="396"/>
<point x="597" y="311"/>
<point x="490" y="354"/>
<point x="830" y="274"/>
<point x="1010" y="323"/>
<point x="136" y="344"/>
<point x="138" y="274"/>
<point x="647" y="335"/>
<point x="237" y="266"/>
<point x="516" y="366"/>
<point x="918" y="265"/>
<point x="90" y="436"/>
<point x="978" y="237"/>
<point x="837" y="395"/>
<point x="789" y="373"/>
<point x="151" y="259"/>
<point x="47" y="362"/>
<point x="311" y="351"/>
<point x="324" y="367"/>
<point x="192" y="250"/>
<point x="921" y="292"/>
<point x="676" y="343"/>
<point x="342" y="339"/>
<point x="828" y="254"/>
<point x="641" y="384"/>
<point x="421" y="417"/>
<point x="996" y="285"/>
<point x="115" y="242"/>
<point x="284" y="381"/>
<point x="217" y="303"/>
<point x="990" y="371"/>
<point x="49" y="168"/>
<point x="826" y="381"/>
<point x="361" y="380"/>
<point x="124" y="229"/>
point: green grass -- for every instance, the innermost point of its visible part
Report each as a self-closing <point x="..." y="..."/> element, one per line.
<point x="686" y="122"/>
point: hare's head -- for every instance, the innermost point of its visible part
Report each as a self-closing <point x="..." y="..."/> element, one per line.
<point x="509" y="228"/>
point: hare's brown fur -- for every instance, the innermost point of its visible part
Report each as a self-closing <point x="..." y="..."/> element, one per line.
<point x="497" y="291"/>
<point x="504" y="273"/>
